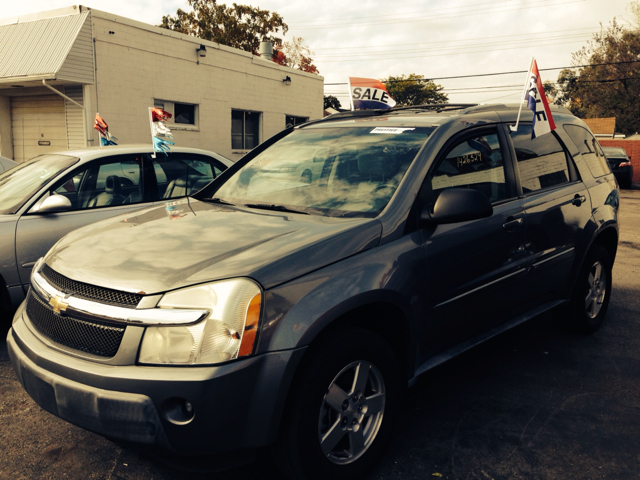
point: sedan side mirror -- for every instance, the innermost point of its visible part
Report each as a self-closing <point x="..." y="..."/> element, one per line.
<point x="54" y="203"/>
<point x="455" y="205"/>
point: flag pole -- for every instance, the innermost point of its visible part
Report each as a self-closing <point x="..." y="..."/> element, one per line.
<point x="524" y="93"/>
<point x="153" y="148"/>
<point x="350" y="97"/>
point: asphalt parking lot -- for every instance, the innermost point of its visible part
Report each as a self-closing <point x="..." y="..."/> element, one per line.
<point x="535" y="403"/>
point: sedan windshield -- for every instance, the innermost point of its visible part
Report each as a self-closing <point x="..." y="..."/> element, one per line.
<point x="336" y="171"/>
<point x="23" y="181"/>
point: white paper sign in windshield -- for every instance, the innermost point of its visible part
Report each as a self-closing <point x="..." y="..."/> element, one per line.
<point x="390" y="130"/>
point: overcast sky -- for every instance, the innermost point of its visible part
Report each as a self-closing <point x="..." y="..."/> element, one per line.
<point x="434" y="38"/>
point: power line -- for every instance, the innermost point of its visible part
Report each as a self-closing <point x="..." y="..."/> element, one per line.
<point x="396" y="57"/>
<point x="591" y="31"/>
<point x="404" y="13"/>
<point x="488" y="10"/>
<point x="503" y="73"/>
<point x="486" y="45"/>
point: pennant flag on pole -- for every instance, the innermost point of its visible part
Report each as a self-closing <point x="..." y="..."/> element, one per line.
<point x="103" y="129"/>
<point x="369" y="93"/>
<point x="160" y="133"/>
<point x="537" y="103"/>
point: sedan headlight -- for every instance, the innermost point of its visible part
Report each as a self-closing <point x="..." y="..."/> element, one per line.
<point x="228" y="332"/>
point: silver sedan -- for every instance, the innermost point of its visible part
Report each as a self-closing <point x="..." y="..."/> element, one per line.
<point x="6" y="164"/>
<point x="45" y="198"/>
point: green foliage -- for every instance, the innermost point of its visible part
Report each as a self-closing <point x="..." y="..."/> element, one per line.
<point x="332" y="102"/>
<point x="238" y="26"/>
<point x="414" y="89"/>
<point x="605" y="90"/>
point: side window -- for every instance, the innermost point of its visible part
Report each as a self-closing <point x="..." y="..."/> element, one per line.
<point x="474" y="162"/>
<point x="590" y="150"/>
<point x="542" y="161"/>
<point x="102" y="183"/>
<point x="181" y="174"/>
<point x="245" y="129"/>
<point x="292" y="120"/>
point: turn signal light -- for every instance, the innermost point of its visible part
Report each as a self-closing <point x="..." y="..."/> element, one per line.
<point x="251" y="326"/>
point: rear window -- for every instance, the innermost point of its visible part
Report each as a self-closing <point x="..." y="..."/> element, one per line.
<point x="590" y="149"/>
<point x="614" y="152"/>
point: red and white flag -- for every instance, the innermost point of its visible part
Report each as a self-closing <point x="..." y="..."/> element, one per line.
<point x="537" y="103"/>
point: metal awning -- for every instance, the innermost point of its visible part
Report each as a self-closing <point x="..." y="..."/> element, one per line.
<point x="58" y="48"/>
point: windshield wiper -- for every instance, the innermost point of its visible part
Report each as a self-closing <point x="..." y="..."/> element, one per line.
<point x="216" y="200"/>
<point x="277" y="208"/>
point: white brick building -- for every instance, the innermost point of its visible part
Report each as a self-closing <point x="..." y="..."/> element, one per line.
<point x="227" y="101"/>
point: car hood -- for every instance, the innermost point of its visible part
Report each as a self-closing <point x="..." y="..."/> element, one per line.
<point x="149" y="252"/>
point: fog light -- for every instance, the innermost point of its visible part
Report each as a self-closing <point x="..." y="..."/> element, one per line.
<point x="178" y="411"/>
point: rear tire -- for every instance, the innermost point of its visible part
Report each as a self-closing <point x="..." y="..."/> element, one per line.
<point x="342" y="407"/>
<point x="591" y="295"/>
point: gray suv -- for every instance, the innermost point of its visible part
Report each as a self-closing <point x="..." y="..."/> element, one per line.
<point x="270" y="310"/>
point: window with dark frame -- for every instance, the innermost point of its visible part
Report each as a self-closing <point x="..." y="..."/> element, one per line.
<point x="181" y="113"/>
<point x="474" y="162"/>
<point x="542" y="161"/>
<point x="245" y="129"/>
<point x="184" y="113"/>
<point x="292" y="121"/>
<point x="590" y="150"/>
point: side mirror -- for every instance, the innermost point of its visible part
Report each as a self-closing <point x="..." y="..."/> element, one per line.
<point x="455" y="205"/>
<point x="54" y="203"/>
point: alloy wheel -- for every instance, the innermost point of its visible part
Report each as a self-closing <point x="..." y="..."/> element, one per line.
<point x="596" y="290"/>
<point x="351" y="412"/>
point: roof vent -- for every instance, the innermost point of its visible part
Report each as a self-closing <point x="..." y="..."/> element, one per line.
<point x="266" y="50"/>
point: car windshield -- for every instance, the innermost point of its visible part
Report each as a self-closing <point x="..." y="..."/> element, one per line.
<point x="335" y="171"/>
<point x="21" y="182"/>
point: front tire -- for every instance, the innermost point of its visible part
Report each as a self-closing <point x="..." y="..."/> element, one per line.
<point x="591" y="296"/>
<point x="342" y="408"/>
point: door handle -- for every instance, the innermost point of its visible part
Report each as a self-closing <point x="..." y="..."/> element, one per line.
<point x="578" y="199"/>
<point x="512" y="224"/>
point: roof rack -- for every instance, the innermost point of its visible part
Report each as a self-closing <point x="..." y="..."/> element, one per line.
<point x="344" y="115"/>
<point x="438" y="107"/>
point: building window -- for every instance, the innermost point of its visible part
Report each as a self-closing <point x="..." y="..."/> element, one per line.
<point x="245" y="129"/>
<point x="292" y="121"/>
<point x="181" y="113"/>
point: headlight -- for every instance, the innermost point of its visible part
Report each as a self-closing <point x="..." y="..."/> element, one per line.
<point x="228" y="332"/>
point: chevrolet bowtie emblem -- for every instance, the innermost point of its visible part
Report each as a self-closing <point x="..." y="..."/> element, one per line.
<point x="58" y="304"/>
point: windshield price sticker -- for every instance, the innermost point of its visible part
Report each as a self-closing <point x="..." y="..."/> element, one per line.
<point x="390" y="130"/>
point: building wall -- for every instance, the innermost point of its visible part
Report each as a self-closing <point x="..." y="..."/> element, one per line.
<point x="632" y="147"/>
<point x="137" y="63"/>
<point x="6" y="139"/>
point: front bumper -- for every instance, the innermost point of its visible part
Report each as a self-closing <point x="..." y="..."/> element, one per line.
<point x="236" y="406"/>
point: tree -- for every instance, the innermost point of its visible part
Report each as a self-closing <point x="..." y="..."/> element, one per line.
<point x="332" y="102"/>
<point x="238" y="26"/>
<point x="633" y="9"/>
<point x="414" y="89"/>
<point x="295" y="54"/>
<point x="610" y="87"/>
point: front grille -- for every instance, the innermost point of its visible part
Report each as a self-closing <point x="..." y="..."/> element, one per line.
<point x="89" y="292"/>
<point x="91" y="337"/>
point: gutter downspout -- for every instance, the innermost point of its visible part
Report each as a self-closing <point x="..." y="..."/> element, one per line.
<point x="84" y="113"/>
